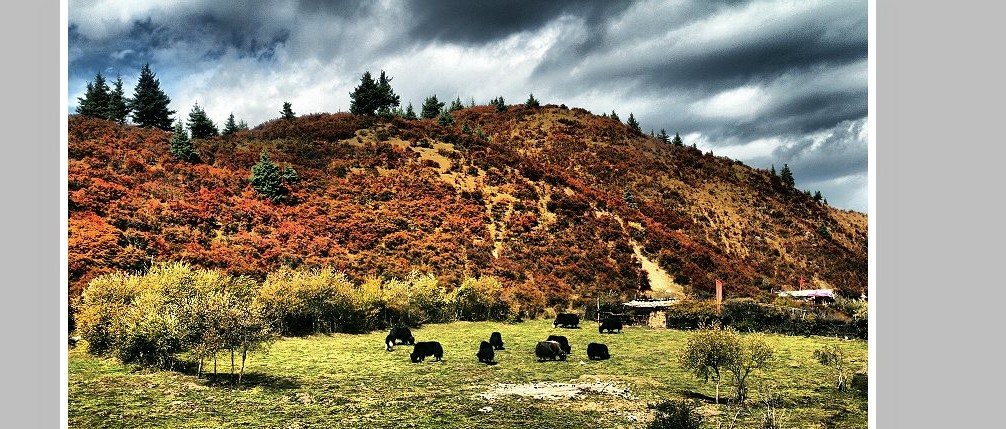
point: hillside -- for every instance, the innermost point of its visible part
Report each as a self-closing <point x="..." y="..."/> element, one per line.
<point x="555" y="198"/>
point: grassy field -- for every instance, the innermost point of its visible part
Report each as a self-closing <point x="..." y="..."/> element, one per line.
<point x="345" y="380"/>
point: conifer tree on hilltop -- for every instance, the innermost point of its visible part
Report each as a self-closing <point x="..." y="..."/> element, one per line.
<point x="431" y="107"/>
<point x="231" y="126"/>
<point x="499" y="103"/>
<point x="200" y="125"/>
<point x="269" y="180"/>
<point x="96" y="99"/>
<point x="676" y="141"/>
<point x="386" y="97"/>
<point x="615" y="116"/>
<point x="149" y="104"/>
<point x="287" y="112"/>
<point x="663" y="136"/>
<point x="633" y="124"/>
<point x="410" y="113"/>
<point x="118" y="106"/>
<point x="456" y="105"/>
<point x="373" y="96"/>
<point x="786" y="175"/>
<point x="531" y="101"/>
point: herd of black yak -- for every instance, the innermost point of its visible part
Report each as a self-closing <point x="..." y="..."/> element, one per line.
<point x="555" y="347"/>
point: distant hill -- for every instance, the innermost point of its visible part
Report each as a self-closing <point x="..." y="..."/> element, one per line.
<point x="573" y="203"/>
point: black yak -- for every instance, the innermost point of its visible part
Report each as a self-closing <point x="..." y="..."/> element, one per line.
<point x="399" y="334"/>
<point x="596" y="351"/>
<point x="563" y="342"/>
<point x="610" y="325"/>
<point x="423" y="349"/>
<point x="486" y="353"/>
<point x="549" y="350"/>
<point x="496" y="340"/>
<point x="566" y="320"/>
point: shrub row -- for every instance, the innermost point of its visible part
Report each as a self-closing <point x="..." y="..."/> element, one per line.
<point x="151" y="318"/>
<point x="846" y="318"/>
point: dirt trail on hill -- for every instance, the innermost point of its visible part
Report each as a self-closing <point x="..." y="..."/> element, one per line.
<point x="661" y="283"/>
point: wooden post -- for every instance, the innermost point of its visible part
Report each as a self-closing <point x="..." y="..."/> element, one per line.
<point x="719" y="295"/>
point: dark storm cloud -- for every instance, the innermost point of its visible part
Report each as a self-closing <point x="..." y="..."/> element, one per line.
<point x="477" y="22"/>
<point x="768" y="82"/>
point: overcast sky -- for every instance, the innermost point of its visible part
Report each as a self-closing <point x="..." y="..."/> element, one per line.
<point x="761" y="81"/>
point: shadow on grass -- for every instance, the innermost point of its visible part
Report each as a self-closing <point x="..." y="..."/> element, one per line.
<point x="724" y="399"/>
<point x="250" y="379"/>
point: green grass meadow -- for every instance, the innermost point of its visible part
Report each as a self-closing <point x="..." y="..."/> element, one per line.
<point x="345" y="380"/>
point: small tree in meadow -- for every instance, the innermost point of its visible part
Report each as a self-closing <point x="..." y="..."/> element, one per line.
<point x="456" y="105"/>
<point x="410" y="113"/>
<point x="835" y="358"/>
<point x="615" y="116"/>
<point x="754" y="354"/>
<point x="709" y="352"/>
<point x="663" y="136"/>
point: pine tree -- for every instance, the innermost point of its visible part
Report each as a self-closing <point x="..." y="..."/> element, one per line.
<point x="201" y="125"/>
<point x="499" y="103"/>
<point x="287" y="112"/>
<point x="96" y="99"/>
<point x="230" y="127"/>
<point x="181" y="145"/>
<point x="446" y="119"/>
<point x="267" y="178"/>
<point x="242" y="125"/>
<point x="818" y="197"/>
<point x="676" y="141"/>
<point x="118" y="108"/>
<point x="149" y="104"/>
<point x="363" y="99"/>
<point x="409" y="112"/>
<point x="663" y="136"/>
<point x="386" y="99"/>
<point x="787" y="176"/>
<point x="633" y="124"/>
<point x="456" y="105"/>
<point x="432" y="107"/>
<point x="615" y="116"/>
<point x="531" y="101"/>
<point x="773" y="170"/>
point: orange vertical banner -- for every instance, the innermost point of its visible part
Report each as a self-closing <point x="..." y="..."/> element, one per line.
<point x="719" y="294"/>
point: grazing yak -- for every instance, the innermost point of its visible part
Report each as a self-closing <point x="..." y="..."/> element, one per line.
<point x="423" y="349"/>
<point x="486" y="353"/>
<point x="566" y="320"/>
<point x="597" y="351"/>
<point x="399" y="333"/>
<point x="496" y="340"/>
<point x="610" y="325"/>
<point x="549" y="350"/>
<point x="563" y="342"/>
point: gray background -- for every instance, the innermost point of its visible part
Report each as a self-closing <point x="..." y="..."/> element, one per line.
<point x="939" y="216"/>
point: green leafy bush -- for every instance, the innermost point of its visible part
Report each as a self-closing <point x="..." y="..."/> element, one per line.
<point x="676" y="415"/>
